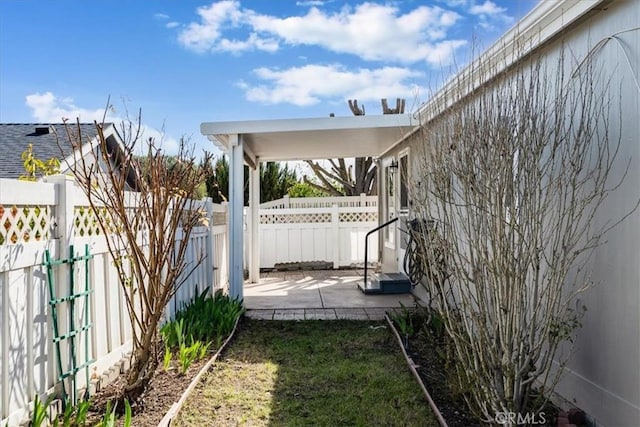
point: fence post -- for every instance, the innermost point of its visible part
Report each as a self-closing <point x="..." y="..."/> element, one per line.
<point x="226" y="248"/>
<point x="63" y="232"/>
<point x="210" y="247"/>
<point x="63" y="227"/>
<point x="335" y="230"/>
<point x="363" y="200"/>
<point x="285" y="201"/>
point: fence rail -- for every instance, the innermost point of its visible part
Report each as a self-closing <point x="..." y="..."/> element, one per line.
<point x="334" y="234"/>
<point x="321" y="202"/>
<point x="38" y="216"/>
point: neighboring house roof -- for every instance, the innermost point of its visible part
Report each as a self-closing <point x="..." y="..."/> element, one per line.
<point x="52" y="140"/>
<point x="45" y="137"/>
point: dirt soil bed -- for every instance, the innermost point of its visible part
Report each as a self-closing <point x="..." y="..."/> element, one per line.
<point x="423" y="349"/>
<point x="428" y="351"/>
<point x="165" y="389"/>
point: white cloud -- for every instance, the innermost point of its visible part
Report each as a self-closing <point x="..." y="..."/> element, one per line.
<point x="488" y="13"/>
<point x="309" y="3"/>
<point x="454" y="3"/>
<point x="165" y="17"/>
<point x="207" y="35"/>
<point x="370" y="31"/>
<point x="47" y="108"/>
<point x="486" y="8"/>
<point x="312" y="84"/>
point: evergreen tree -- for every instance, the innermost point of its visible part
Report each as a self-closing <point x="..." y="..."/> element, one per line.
<point x="275" y="180"/>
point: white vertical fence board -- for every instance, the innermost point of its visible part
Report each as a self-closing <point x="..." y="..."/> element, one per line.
<point x="294" y="244"/>
<point x="281" y="246"/>
<point x="4" y="344"/>
<point x="290" y="233"/>
<point x="17" y="349"/>
<point x="101" y="338"/>
<point x="28" y="284"/>
<point x="268" y="247"/>
<point x="308" y="244"/>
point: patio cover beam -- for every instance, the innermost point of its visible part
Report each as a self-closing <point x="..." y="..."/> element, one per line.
<point x="312" y="138"/>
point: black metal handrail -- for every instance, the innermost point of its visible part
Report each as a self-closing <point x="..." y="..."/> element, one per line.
<point x="366" y="246"/>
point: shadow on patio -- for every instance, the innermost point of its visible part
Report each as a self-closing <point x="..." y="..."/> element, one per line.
<point x="317" y="294"/>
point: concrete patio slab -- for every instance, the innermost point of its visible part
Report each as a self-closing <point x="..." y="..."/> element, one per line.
<point x="317" y="294"/>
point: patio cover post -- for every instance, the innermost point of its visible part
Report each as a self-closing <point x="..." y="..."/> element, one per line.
<point x="254" y="223"/>
<point x="236" y="211"/>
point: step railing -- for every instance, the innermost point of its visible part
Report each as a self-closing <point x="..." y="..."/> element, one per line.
<point x="366" y="246"/>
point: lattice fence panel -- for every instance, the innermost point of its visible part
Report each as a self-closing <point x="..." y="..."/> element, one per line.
<point x="358" y="216"/>
<point x="85" y="221"/>
<point x="21" y="224"/>
<point x="295" y="218"/>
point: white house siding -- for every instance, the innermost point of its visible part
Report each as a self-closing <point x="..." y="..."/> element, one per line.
<point x="603" y="376"/>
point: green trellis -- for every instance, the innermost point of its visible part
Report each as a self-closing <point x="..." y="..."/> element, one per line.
<point x="74" y="331"/>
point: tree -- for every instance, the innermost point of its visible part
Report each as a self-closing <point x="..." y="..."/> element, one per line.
<point x="353" y="180"/>
<point x="513" y="176"/>
<point x="217" y="178"/>
<point x="302" y="189"/>
<point x="339" y="179"/>
<point x="148" y="242"/>
<point x="35" y="168"/>
<point x="275" y="180"/>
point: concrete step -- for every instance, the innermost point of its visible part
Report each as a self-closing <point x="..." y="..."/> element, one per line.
<point x="386" y="283"/>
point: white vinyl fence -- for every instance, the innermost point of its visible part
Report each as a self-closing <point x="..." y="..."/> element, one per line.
<point x="329" y="229"/>
<point x="35" y="217"/>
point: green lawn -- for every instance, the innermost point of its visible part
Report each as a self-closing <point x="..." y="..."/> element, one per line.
<point x="320" y="373"/>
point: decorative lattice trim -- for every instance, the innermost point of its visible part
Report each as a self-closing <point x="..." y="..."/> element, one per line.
<point x="295" y="218"/>
<point x="358" y="216"/>
<point x="21" y="224"/>
<point x="85" y="221"/>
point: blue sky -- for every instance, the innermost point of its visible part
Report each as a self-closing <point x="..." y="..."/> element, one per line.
<point x="184" y="62"/>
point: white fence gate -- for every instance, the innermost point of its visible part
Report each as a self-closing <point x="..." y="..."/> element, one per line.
<point x="35" y="217"/>
<point x="330" y="229"/>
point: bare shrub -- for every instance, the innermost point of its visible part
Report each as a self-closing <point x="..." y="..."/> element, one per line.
<point x="147" y="230"/>
<point x="513" y="174"/>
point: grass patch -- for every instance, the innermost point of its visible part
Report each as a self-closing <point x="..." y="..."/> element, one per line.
<point x="321" y="373"/>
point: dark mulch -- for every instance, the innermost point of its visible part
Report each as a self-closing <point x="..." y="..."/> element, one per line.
<point x="165" y="388"/>
<point x="428" y="351"/>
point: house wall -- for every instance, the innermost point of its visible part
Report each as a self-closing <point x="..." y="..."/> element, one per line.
<point x="390" y="257"/>
<point x="602" y="376"/>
